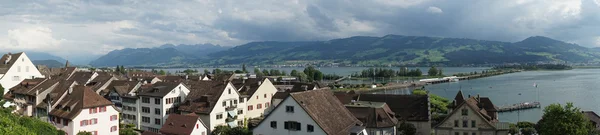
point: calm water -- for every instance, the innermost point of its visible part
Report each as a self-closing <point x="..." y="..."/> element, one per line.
<point x="580" y="86"/>
<point x="345" y="70"/>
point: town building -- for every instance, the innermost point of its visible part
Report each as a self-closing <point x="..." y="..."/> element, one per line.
<point x="216" y="103"/>
<point x="594" y="119"/>
<point x="29" y="93"/>
<point x="15" y="68"/>
<point x="314" y="112"/>
<point x="157" y="101"/>
<point x="259" y="92"/>
<point x="376" y="116"/>
<point x="413" y="109"/>
<point x="472" y="116"/>
<point x="84" y="110"/>
<point x="178" y="124"/>
<point x="123" y="94"/>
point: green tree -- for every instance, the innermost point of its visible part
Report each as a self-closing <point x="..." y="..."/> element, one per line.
<point x="513" y="129"/>
<point x="432" y="71"/>
<point x="257" y="72"/>
<point x="302" y="77"/>
<point x="266" y="72"/>
<point x="405" y="128"/>
<point x="162" y="72"/>
<point x="84" y="133"/>
<point x="244" y="68"/>
<point x="294" y="73"/>
<point x="238" y="71"/>
<point x="206" y="72"/>
<point x="318" y="75"/>
<point x="563" y="120"/>
<point x="226" y="130"/>
<point x="440" y="72"/>
<point x="528" y="131"/>
<point x="1" y="90"/>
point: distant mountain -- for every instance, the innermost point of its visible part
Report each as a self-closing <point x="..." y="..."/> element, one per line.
<point x="197" y="50"/>
<point x="165" y="55"/>
<point x="49" y="63"/>
<point x="397" y="49"/>
<point x="40" y="56"/>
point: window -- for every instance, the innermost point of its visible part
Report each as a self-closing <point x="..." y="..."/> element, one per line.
<point x="16" y="78"/>
<point x="310" y="128"/>
<point x="456" y="133"/>
<point x="289" y="109"/>
<point x="114" y="117"/>
<point x="157" y="111"/>
<point x="65" y="122"/>
<point x="473" y="133"/>
<point x="235" y="101"/>
<point x="58" y="121"/>
<point x="157" y="121"/>
<point x="465" y="112"/>
<point x="240" y="111"/>
<point x="145" y="119"/>
<point x="145" y="100"/>
<point x="93" y="110"/>
<point x="265" y="96"/>
<point x="465" y="123"/>
<point x="26" y="68"/>
<point x="229" y="91"/>
<point x="94" y="121"/>
<point x="241" y="100"/>
<point x="266" y="104"/>
<point x="19" y="69"/>
<point x="473" y="124"/>
<point x="274" y="124"/>
<point x="146" y="109"/>
<point x="256" y="97"/>
<point x="113" y="128"/>
<point x="94" y="132"/>
<point x="157" y="101"/>
<point x="219" y="116"/>
<point x="224" y="103"/>
<point x="465" y="133"/>
<point x="241" y="122"/>
<point x="83" y="123"/>
<point x="250" y="108"/>
<point x="455" y="123"/>
<point x="102" y="109"/>
<point x="292" y="125"/>
<point x="259" y="106"/>
<point x="203" y="133"/>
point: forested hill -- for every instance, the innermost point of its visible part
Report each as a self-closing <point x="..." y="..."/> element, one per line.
<point x="397" y="49"/>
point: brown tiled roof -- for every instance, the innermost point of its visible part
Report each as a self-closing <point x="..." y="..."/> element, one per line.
<point x="247" y="87"/>
<point x="458" y="99"/>
<point x="159" y="89"/>
<point x="30" y="87"/>
<point x="476" y="103"/>
<point x="406" y="107"/>
<point x="82" y="97"/>
<point x="203" y="96"/>
<point x="82" y="77"/>
<point x="5" y="67"/>
<point x="100" y="80"/>
<point x="472" y="103"/>
<point x="592" y="116"/>
<point x="380" y="116"/>
<point x="178" y="124"/>
<point x="150" y="133"/>
<point x="125" y="86"/>
<point x="327" y="111"/>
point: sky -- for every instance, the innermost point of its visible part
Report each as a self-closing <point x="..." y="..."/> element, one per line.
<point x="86" y="28"/>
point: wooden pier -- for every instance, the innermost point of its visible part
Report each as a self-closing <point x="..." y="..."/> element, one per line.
<point x="519" y="106"/>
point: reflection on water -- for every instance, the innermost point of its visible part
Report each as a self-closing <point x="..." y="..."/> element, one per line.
<point x="579" y="86"/>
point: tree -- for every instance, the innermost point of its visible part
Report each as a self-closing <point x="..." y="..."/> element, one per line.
<point x="1" y="90"/>
<point x="238" y="71"/>
<point x="513" y="129"/>
<point x="162" y="72"/>
<point x="84" y="133"/>
<point x="266" y="72"/>
<point x="302" y="77"/>
<point x="563" y="120"/>
<point x="432" y="71"/>
<point x="406" y="128"/>
<point x="440" y="72"/>
<point x="244" y="68"/>
<point x="294" y="73"/>
<point x="257" y="72"/>
<point x="206" y="72"/>
<point x="226" y="130"/>
<point x="318" y="75"/>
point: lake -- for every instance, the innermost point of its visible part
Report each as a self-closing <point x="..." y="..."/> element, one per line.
<point x="580" y="86"/>
<point x="344" y="71"/>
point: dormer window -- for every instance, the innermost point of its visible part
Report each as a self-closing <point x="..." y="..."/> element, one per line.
<point x="465" y="112"/>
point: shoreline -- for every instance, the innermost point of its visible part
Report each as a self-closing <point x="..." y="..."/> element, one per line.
<point x="417" y="84"/>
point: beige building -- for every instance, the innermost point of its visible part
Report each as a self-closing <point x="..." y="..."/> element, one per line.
<point x="472" y="116"/>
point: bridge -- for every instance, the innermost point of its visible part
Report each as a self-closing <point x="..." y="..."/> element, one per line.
<point x="519" y="106"/>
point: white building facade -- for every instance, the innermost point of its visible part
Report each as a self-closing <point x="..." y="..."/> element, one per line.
<point x="15" y="68"/>
<point x="260" y="102"/>
<point x="154" y="109"/>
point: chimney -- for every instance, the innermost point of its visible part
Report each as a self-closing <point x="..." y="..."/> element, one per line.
<point x="67" y="64"/>
<point x="478" y="98"/>
<point x="186" y="77"/>
<point x="469" y="96"/>
<point x="259" y="82"/>
<point x="70" y="90"/>
<point x="9" y="56"/>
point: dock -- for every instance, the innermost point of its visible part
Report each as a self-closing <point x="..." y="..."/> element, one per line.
<point x="519" y="106"/>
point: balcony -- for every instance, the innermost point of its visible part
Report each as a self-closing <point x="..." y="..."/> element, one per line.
<point x="231" y="108"/>
<point x="231" y="119"/>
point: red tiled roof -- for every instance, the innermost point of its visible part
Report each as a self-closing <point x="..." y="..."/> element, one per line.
<point x="178" y="124"/>
<point x="82" y="97"/>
